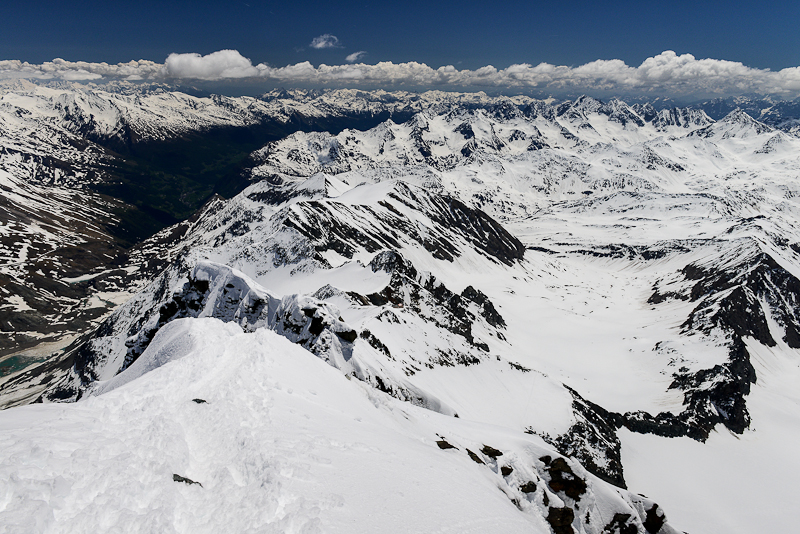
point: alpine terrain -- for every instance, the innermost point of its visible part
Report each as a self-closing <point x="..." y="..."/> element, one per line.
<point x="373" y="311"/>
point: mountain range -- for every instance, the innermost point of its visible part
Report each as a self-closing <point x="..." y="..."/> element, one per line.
<point x="573" y="303"/>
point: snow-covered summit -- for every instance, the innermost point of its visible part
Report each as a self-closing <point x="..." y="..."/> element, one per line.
<point x="736" y="124"/>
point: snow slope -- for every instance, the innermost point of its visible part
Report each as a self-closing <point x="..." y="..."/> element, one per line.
<point x="243" y="432"/>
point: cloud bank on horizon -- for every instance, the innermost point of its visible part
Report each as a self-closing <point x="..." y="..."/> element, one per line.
<point x="665" y="74"/>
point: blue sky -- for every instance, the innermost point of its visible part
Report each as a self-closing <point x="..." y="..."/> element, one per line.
<point x="467" y="34"/>
<point x="744" y="38"/>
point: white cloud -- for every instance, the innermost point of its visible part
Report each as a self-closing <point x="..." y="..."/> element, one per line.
<point x="325" y="41"/>
<point x="667" y="74"/>
<point x="80" y="70"/>
<point x="355" y="56"/>
<point x="216" y="66"/>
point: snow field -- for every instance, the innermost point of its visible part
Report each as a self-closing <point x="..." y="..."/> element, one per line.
<point x="747" y="481"/>
<point x="282" y="443"/>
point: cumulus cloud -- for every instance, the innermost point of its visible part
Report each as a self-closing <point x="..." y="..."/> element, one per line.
<point x="80" y="70"/>
<point x="667" y="74"/>
<point x="325" y="41"/>
<point x="215" y="66"/>
<point x="355" y="56"/>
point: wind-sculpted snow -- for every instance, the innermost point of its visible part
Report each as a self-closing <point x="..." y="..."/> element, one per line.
<point x="439" y="228"/>
<point x="214" y="290"/>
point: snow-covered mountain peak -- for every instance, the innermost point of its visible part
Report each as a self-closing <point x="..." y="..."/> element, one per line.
<point x="620" y="112"/>
<point x="735" y="125"/>
<point x="739" y="116"/>
<point x="580" y="107"/>
<point x="683" y="117"/>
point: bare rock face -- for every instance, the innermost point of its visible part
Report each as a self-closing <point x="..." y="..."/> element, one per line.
<point x="330" y="226"/>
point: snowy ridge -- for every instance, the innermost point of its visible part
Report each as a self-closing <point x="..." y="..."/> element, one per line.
<point x="214" y="290"/>
<point x="296" y="246"/>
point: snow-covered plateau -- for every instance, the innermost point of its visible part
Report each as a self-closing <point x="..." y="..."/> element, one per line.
<point x="501" y="314"/>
